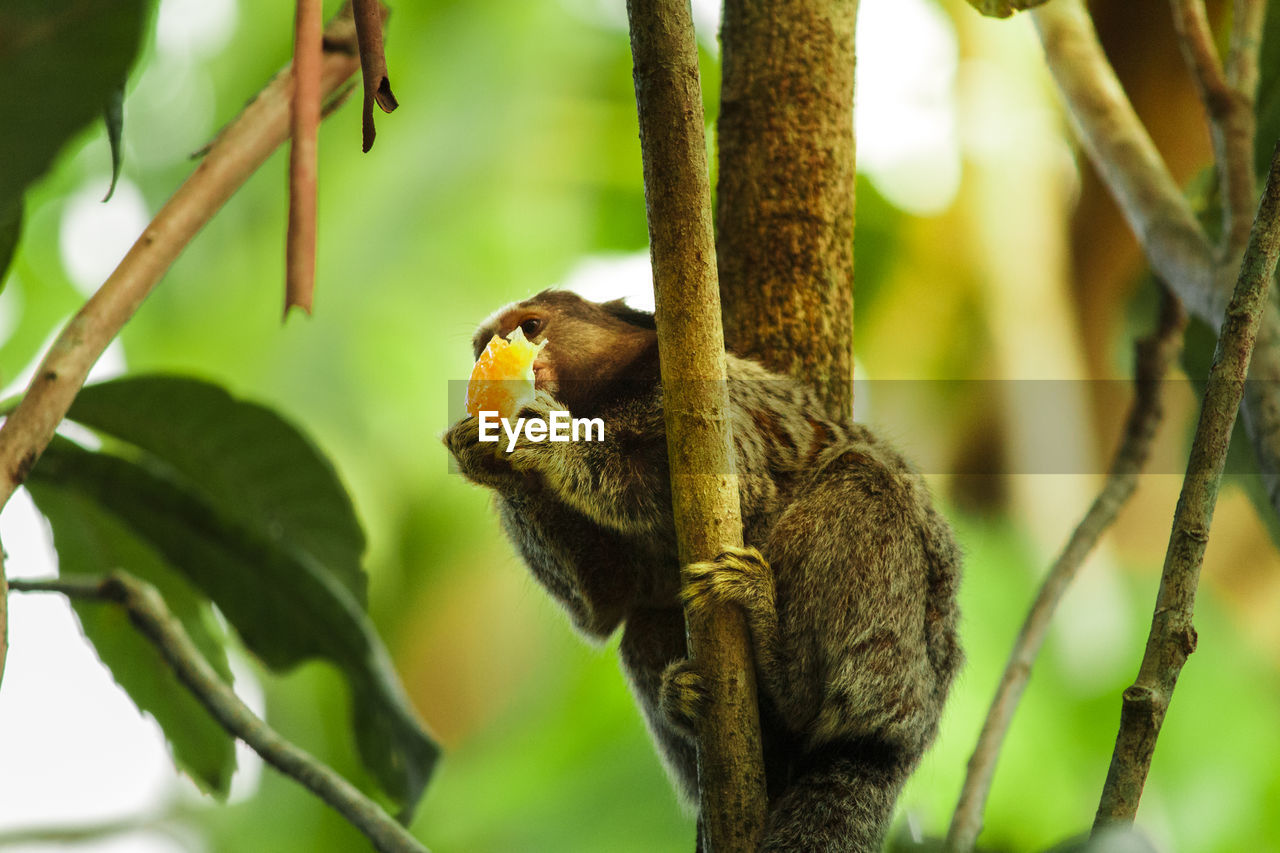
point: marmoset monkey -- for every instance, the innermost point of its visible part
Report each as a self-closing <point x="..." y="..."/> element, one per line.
<point x="848" y="583"/>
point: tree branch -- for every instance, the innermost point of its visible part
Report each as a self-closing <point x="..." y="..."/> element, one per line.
<point x="1152" y="359"/>
<point x="785" y="206"/>
<point x="1173" y="637"/>
<point x="1175" y="246"/>
<point x="237" y="152"/>
<point x="148" y="613"/>
<point x="1231" y="122"/>
<point x="1247" y="19"/>
<point x="300" y="245"/>
<point x="695" y="401"/>
<point x="1127" y="159"/>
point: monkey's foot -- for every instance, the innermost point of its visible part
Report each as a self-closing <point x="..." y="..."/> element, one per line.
<point x="683" y="697"/>
<point x="738" y="576"/>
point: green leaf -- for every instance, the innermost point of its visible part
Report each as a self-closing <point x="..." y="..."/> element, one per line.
<point x="113" y="117"/>
<point x="60" y="60"/>
<point x="91" y="541"/>
<point x="285" y="604"/>
<point x="242" y="458"/>
<point x="10" y="228"/>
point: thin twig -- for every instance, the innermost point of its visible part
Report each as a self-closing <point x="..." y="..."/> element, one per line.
<point x="149" y="614"/>
<point x="1153" y="357"/>
<point x="1196" y="40"/>
<point x="1239" y="126"/>
<point x="300" y="248"/>
<point x="1173" y="637"/>
<point x="699" y="444"/>
<point x="373" y="65"/>
<point x="1247" y="19"/>
<point x="1231" y="122"/>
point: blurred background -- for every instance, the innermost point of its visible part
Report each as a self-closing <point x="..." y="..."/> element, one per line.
<point x="986" y="250"/>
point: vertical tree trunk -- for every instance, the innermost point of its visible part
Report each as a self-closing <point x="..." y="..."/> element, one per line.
<point x="704" y="484"/>
<point x="786" y="189"/>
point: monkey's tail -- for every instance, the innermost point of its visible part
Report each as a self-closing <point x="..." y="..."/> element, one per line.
<point x="841" y="800"/>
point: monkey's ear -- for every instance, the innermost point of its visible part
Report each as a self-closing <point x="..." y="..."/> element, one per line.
<point x="627" y="314"/>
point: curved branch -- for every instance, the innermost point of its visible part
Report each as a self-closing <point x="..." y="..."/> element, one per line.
<point x="695" y="402"/>
<point x="1230" y="114"/>
<point x="1175" y="246"/>
<point x="237" y="152"/>
<point x="148" y="613"/>
<point x="1247" y="19"/>
<point x="1173" y="637"/>
<point x="1127" y="160"/>
<point x="1153" y="357"/>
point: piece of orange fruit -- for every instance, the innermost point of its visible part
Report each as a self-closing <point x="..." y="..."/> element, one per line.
<point x="502" y="380"/>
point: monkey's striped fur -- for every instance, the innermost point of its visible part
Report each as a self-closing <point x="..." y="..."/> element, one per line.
<point x="848" y="582"/>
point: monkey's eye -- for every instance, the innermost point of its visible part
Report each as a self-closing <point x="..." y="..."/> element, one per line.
<point x="531" y="327"/>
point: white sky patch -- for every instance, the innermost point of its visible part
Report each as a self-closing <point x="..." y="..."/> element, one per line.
<point x="93" y="237"/>
<point x="1093" y="632"/>
<point x="706" y="22"/>
<point x="76" y="750"/>
<point x="10" y="306"/>
<point x="108" y="366"/>
<point x="906" y="110"/>
<point x="195" y="28"/>
<point x="615" y="276"/>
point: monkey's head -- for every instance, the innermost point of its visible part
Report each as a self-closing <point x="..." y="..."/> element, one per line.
<point x="595" y="351"/>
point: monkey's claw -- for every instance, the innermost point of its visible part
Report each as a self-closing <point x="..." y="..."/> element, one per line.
<point x="683" y="697"/>
<point x="738" y="576"/>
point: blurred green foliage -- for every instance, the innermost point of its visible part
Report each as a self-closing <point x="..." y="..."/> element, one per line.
<point x="513" y="156"/>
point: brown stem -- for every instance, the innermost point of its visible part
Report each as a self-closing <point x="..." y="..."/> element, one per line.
<point x="1247" y="19"/>
<point x="699" y="442"/>
<point x="1173" y="637"/>
<point x="1231" y="123"/>
<point x="149" y="614"/>
<point x="237" y="152"/>
<point x="373" y="65"/>
<point x="1238" y="128"/>
<point x="786" y="190"/>
<point x="300" y="249"/>
<point x="1153" y="357"/>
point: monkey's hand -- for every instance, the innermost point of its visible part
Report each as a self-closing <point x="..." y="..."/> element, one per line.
<point x="741" y="577"/>
<point x="683" y="697"/>
<point x="621" y="487"/>
<point x="481" y="462"/>
<point x="529" y="455"/>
